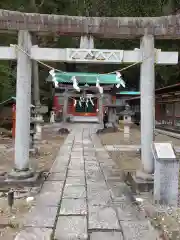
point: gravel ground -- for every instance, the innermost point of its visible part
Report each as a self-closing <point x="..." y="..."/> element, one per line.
<point x="168" y="222"/>
<point x="51" y="143"/>
<point x="130" y="161"/>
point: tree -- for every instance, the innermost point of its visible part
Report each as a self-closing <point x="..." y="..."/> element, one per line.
<point x="110" y="8"/>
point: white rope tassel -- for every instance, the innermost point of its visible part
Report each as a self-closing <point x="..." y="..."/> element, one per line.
<point x="91" y="101"/>
<point x="119" y="80"/>
<point x="52" y="73"/>
<point x="101" y="90"/>
<point x="99" y="87"/>
<point x="75" y="85"/>
<point x="87" y="100"/>
<point x="80" y="104"/>
<point x="75" y="102"/>
<point x="97" y="83"/>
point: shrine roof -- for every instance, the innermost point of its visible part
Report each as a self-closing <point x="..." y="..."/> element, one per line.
<point x="169" y="90"/>
<point x="10" y="101"/>
<point x="129" y="93"/>
<point x="85" y="78"/>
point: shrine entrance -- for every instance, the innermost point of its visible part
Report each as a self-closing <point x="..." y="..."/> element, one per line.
<point x="81" y="96"/>
<point x="27" y="51"/>
<point x="84" y="109"/>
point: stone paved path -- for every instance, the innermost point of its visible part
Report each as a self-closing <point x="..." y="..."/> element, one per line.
<point x="84" y="198"/>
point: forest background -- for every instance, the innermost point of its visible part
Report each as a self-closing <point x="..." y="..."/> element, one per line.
<point x="165" y="75"/>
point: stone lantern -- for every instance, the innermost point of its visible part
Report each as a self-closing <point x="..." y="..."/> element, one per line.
<point x="127" y="120"/>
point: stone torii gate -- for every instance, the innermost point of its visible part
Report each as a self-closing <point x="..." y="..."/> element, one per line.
<point x="145" y="28"/>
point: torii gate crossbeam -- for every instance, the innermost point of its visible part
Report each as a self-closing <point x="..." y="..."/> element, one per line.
<point x="98" y="56"/>
<point x="163" y="27"/>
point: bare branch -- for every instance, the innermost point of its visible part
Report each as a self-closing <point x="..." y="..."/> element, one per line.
<point x="41" y="4"/>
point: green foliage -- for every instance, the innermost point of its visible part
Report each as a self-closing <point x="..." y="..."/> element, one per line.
<point x="110" y="8"/>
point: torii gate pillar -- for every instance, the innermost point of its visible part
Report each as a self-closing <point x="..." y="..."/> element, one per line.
<point x="23" y="102"/>
<point x="147" y="87"/>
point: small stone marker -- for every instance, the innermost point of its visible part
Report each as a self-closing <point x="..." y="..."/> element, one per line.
<point x="52" y="118"/>
<point x="166" y="174"/>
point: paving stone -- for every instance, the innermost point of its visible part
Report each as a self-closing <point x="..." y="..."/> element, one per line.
<point x="71" y="227"/>
<point x="56" y="176"/>
<point x="77" y="161"/>
<point x="115" y="180"/>
<point x="73" y="207"/>
<point x="76" y="167"/>
<point x="93" y="189"/>
<point x="102" y="217"/>
<point x="34" y="234"/>
<point x="77" y="158"/>
<point x="138" y="230"/>
<point x="90" y="158"/>
<point x="117" y="189"/>
<point x="75" y="191"/>
<point x="100" y="185"/>
<point x="111" y="173"/>
<point x="89" y="154"/>
<point x="91" y="183"/>
<point x="41" y="216"/>
<point x="52" y="186"/>
<point x="117" y="192"/>
<point x="98" y="176"/>
<point x="77" y="148"/>
<point x="106" y="236"/>
<point x="76" y="155"/>
<point x="91" y="162"/>
<point x="48" y="199"/>
<point x="75" y="173"/>
<point x="86" y="141"/>
<point x="92" y="168"/>
<point x="127" y="211"/>
<point x="97" y="199"/>
<point x="59" y="167"/>
<point x="75" y="180"/>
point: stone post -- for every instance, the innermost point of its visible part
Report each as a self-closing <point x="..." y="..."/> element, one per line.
<point x="36" y="95"/>
<point x="127" y="122"/>
<point x="65" y="106"/>
<point x="147" y="86"/>
<point x="100" y="107"/>
<point x="23" y="102"/>
<point x="35" y="75"/>
<point x="166" y="175"/>
<point x="52" y="117"/>
<point x="112" y="117"/>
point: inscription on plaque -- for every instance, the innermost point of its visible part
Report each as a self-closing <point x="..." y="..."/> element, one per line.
<point x="166" y="174"/>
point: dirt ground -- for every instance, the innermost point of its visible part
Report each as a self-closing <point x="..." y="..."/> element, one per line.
<point x="9" y="220"/>
<point x="130" y="161"/>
